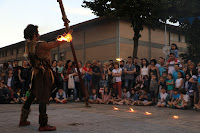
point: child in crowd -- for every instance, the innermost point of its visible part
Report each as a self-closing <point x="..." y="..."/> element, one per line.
<point x="114" y="97"/>
<point x="175" y="98"/>
<point x="102" y="84"/>
<point x="106" y="96"/>
<point x="189" y="90"/>
<point x="134" y="97"/>
<point x="153" y="88"/>
<point x="174" y="50"/>
<point x="161" y="84"/>
<point x="194" y="87"/>
<point x="125" y="97"/>
<point x="165" y="76"/>
<point x="145" y="98"/>
<point x="180" y="81"/>
<point x="170" y="84"/>
<point x="60" y="96"/>
<point x="93" y="96"/>
<point x="163" y="98"/>
<point x="184" y="99"/>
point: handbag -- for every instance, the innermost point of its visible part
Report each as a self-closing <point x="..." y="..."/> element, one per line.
<point x="71" y="82"/>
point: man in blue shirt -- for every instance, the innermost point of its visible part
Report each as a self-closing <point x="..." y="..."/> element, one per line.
<point x="175" y="73"/>
<point x="162" y="67"/>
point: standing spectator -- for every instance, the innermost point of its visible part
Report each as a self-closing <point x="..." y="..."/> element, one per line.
<point x="110" y="68"/>
<point x="123" y="73"/>
<point x="16" y="69"/>
<point x="77" y="81"/>
<point x="144" y="67"/>
<point x="87" y="71"/>
<point x="191" y="68"/>
<point x="56" y="78"/>
<point x="170" y="84"/>
<point x="153" y="69"/>
<point x="153" y="89"/>
<point x="66" y="72"/>
<point x="135" y="63"/>
<point x="179" y="83"/>
<point x="10" y="65"/>
<point x="24" y="75"/>
<point x="175" y="73"/>
<point x="116" y="73"/>
<point x="96" y="76"/>
<point x="130" y="69"/>
<point x="162" y="67"/>
<point x="10" y="80"/>
<point x="60" y="68"/>
<point x="171" y="63"/>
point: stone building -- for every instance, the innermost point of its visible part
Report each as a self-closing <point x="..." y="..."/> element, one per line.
<point x="104" y="39"/>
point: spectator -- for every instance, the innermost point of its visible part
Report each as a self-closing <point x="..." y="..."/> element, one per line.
<point x="10" y="80"/>
<point x="123" y="73"/>
<point x="175" y="98"/>
<point x="170" y="84"/>
<point x="106" y="96"/>
<point x="93" y="96"/>
<point x="179" y="83"/>
<point x="10" y="65"/>
<point x="56" y="78"/>
<point x="162" y="98"/>
<point x="130" y="70"/>
<point x="153" y="69"/>
<point x="24" y="75"/>
<point x="117" y="81"/>
<point x="77" y="81"/>
<point x="137" y="67"/>
<point x="144" y="98"/>
<point x="4" y="93"/>
<point x="161" y="84"/>
<point x="96" y="76"/>
<point x="87" y="72"/>
<point x="60" y="96"/>
<point x="125" y="97"/>
<point x="175" y="73"/>
<point x="184" y="99"/>
<point x="144" y="67"/>
<point x="194" y="87"/>
<point x="171" y="63"/>
<point x="174" y="50"/>
<point x="60" y="68"/>
<point x="16" y="69"/>
<point x="162" y="67"/>
<point x="68" y="71"/>
<point x="153" y="88"/>
<point x="134" y="97"/>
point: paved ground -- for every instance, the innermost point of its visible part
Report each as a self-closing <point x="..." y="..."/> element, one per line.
<point x="74" y="117"/>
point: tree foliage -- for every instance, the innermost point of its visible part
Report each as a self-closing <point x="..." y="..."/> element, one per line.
<point x="142" y="12"/>
<point x="193" y="38"/>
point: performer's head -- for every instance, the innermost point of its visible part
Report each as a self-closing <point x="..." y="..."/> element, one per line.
<point x="31" y="32"/>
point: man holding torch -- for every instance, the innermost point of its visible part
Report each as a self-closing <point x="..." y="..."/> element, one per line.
<point x="38" y="54"/>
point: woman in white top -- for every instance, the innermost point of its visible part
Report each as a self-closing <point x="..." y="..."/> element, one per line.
<point x="116" y="73"/>
<point x="179" y="82"/>
<point x="144" y="67"/>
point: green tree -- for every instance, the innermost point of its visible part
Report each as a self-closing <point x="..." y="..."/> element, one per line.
<point x="193" y="38"/>
<point x="140" y="12"/>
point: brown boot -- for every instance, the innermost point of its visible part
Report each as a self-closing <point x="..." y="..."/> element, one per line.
<point x="43" y="119"/>
<point x="24" y="117"/>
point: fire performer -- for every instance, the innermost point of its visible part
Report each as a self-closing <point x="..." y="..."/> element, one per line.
<point x="38" y="54"/>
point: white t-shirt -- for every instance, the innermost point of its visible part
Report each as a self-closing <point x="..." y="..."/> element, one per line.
<point x="178" y="83"/>
<point x="144" y="71"/>
<point x="118" y="79"/>
<point x="185" y="97"/>
<point x="171" y="68"/>
<point x="76" y="78"/>
<point x="9" y="82"/>
<point x="163" y="96"/>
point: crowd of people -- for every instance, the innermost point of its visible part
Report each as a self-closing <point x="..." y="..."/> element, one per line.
<point x="134" y="81"/>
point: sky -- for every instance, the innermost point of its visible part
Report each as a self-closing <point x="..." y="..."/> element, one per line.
<point x="17" y="14"/>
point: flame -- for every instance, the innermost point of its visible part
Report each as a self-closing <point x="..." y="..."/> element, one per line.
<point x="175" y="117"/>
<point x="115" y="108"/>
<point x="132" y="110"/>
<point x="65" y="37"/>
<point x="147" y="113"/>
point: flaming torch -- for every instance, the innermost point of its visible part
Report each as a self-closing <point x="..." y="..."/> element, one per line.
<point x="68" y="38"/>
<point x="147" y="113"/>
<point x="175" y="117"/>
<point x="131" y="110"/>
<point x="115" y="108"/>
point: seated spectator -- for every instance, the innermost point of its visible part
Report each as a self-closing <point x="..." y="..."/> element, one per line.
<point x="10" y="81"/>
<point x="175" y="98"/>
<point x="125" y="99"/>
<point x="4" y="93"/>
<point x="103" y="83"/>
<point x="161" y="84"/>
<point x="60" y="96"/>
<point x="93" y="96"/>
<point x="184" y="99"/>
<point x="145" y="98"/>
<point x="163" y="98"/>
<point x="106" y="96"/>
<point x="134" y="97"/>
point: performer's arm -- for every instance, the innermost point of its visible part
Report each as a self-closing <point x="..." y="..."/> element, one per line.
<point x="50" y="45"/>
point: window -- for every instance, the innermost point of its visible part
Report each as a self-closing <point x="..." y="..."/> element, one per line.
<point x="62" y="56"/>
<point x="182" y="38"/>
<point x="2" y="54"/>
<point x="55" y="57"/>
<point x="11" y="52"/>
<point x="17" y="51"/>
<point x="174" y="37"/>
<point x="5" y="53"/>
